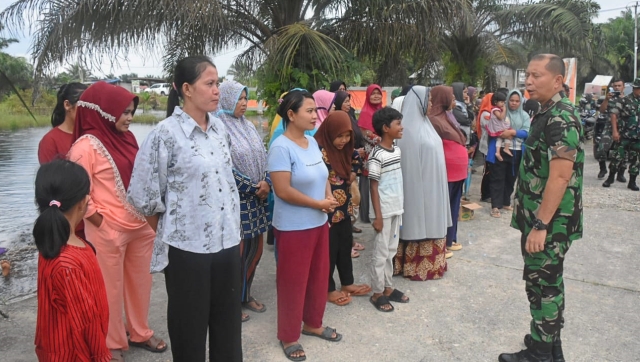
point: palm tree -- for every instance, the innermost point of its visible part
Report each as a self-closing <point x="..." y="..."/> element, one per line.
<point x="288" y="34"/>
<point x="492" y="32"/>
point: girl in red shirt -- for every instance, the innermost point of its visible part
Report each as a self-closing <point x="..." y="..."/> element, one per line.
<point x="73" y="315"/>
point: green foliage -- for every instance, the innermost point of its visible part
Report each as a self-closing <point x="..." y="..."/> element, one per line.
<point x="618" y="33"/>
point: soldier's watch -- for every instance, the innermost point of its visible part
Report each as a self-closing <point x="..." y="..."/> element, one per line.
<point x="539" y="225"/>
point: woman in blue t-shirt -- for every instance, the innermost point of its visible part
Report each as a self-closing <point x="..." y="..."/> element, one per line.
<point x="303" y="198"/>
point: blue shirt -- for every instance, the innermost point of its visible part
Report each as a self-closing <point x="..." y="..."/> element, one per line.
<point x="309" y="175"/>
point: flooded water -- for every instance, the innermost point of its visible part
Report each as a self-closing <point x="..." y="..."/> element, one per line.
<point x="18" y="167"/>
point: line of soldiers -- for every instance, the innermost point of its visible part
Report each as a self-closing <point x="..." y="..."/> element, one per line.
<point x="621" y="134"/>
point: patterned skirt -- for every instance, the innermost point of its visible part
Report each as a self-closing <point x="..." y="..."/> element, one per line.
<point x="421" y="260"/>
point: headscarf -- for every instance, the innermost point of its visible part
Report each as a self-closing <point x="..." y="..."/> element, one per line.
<point x="485" y="106"/>
<point x="471" y="92"/>
<point x="366" y="114"/>
<point x="441" y="99"/>
<point x="340" y="98"/>
<point x="324" y="101"/>
<point x="99" y="108"/>
<point x="396" y="93"/>
<point x="276" y="120"/>
<point x="519" y="118"/>
<point x="340" y="160"/>
<point x="247" y="150"/>
<point x="405" y="90"/>
<point x="335" y="85"/>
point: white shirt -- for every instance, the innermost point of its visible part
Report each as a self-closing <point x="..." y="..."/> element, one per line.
<point x="384" y="166"/>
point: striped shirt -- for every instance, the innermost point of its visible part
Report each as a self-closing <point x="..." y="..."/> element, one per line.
<point x="73" y="312"/>
<point x="384" y="167"/>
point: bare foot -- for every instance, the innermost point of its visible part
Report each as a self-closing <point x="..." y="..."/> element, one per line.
<point x="356" y="289"/>
<point x="498" y="156"/>
<point x="295" y="354"/>
<point x="338" y="298"/>
<point x="508" y="152"/>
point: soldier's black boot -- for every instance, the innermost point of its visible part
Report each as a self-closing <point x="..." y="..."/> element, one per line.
<point x="537" y="352"/>
<point x="603" y="170"/>
<point x="632" y="183"/>
<point x="610" y="180"/>
<point x="556" y="349"/>
<point x="621" y="177"/>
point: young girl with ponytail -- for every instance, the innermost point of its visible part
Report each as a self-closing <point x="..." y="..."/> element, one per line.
<point x="73" y="313"/>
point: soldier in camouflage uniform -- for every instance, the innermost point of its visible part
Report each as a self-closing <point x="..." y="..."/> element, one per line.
<point x="606" y="143"/>
<point x="548" y="206"/>
<point x="624" y="125"/>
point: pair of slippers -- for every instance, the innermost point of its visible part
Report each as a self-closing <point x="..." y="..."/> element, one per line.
<point x="327" y="335"/>
<point x="384" y="300"/>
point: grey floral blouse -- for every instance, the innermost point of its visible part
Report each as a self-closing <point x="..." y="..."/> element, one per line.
<point x="185" y="174"/>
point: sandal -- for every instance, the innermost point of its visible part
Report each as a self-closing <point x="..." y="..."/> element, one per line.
<point x="289" y="351"/>
<point x="117" y="355"/>
<point x="358" y="247"/>
<point x="245" y="317"/>
<point x="354" y="254"/>
<point x="346" y="299"/>
<point x="356" y="230"/>
<point x="150" y="344"/>
<point x="327" y="334"/>
<point x="495" y="213"/>
<point x="507" y="208"/>
<point x="382" y="301"/>
<point x="249" y="307"/>
<point x="397" y="296"/>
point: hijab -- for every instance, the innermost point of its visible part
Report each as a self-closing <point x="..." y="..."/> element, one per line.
<point x="99" y="108"/>
<point x="335" y="85"/>
<point x="324" y="101"/>
<point x="405" y="90"/>
<point x="519" y="118"/>
<point x="340" y="160"/>
<point x="471" y="92"/>
<point x="366" y="115"/>
<point x="441" y="99"/>
<point x="247" y="150"/>
<point x="340" y="98"/>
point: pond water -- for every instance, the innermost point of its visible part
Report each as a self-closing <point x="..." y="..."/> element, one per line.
<point x="18" y="167"/>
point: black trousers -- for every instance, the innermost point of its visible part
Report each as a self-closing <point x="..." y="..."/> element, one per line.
<point x="204" y="292"/>
<point x="485" y="191"/>
<point x="503" y="176"/>
<point x="340" y="243"/>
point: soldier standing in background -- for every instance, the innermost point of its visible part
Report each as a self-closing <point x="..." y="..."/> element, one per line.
<point x="610" y="101"/>
<point x="624" y="129"/>
<point x="548" y="206"/>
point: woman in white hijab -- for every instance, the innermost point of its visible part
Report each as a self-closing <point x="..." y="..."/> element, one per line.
<point x="427" y="214"/>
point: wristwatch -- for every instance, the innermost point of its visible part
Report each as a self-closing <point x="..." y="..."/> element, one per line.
<point x="539" y="225"/>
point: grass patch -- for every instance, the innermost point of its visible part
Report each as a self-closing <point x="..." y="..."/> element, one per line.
<point x="147" y="119"/>
<point x="13" y="122"/>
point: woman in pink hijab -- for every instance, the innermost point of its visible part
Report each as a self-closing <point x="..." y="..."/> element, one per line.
<point x="372" y="103"/>
<point x="324" y="103"/>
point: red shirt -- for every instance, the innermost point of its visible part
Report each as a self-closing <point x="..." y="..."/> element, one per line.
<point x="73" y="312"/>
<point x="55" y="144"/>
<point x="456" y="159"/>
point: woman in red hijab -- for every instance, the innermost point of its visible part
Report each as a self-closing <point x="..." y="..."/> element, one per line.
<point x="122" y="237"/>
<point x="372" y="103"/>
<point x="335" y="138"/>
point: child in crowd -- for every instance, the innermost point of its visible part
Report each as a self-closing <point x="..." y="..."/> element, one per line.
<point x="336" y="140"/>
<point x="499" y="123"/>
<point x="73" y="315"/>
<point x="386" y="208"/>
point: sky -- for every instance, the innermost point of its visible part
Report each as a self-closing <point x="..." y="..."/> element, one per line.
<point x="151" y="64"/>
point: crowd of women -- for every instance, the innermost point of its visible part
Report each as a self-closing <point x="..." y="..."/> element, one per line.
<point x="195" y="199"/>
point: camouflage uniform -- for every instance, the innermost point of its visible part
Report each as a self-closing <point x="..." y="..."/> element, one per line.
<point x="606" y="140"/>
<point x="627" y="110"/>
<point x="556" y="132"/>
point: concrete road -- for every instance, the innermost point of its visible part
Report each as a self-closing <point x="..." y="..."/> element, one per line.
<point x="477" y="311"/>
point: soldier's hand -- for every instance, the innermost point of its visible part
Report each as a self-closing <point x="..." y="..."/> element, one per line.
<point x="535" y="241"/>
<point x="616" y="136"/>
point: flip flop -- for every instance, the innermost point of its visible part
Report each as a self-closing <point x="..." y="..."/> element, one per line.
<point x="496" y="213"/>
<point x="354" y="253"/>
<point x="249" y="307"/>
<point x="245" y="318"/>
<point x="341" y="304"/>
<point x="155" y="341"/>
<point x="289" y="351"/>
<point x="356" y="230"/>
<point x="382" y="300"/>
<point x="327" y="334"/>
<point x="358" y="247"/>
<point x="396" y="296"/>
